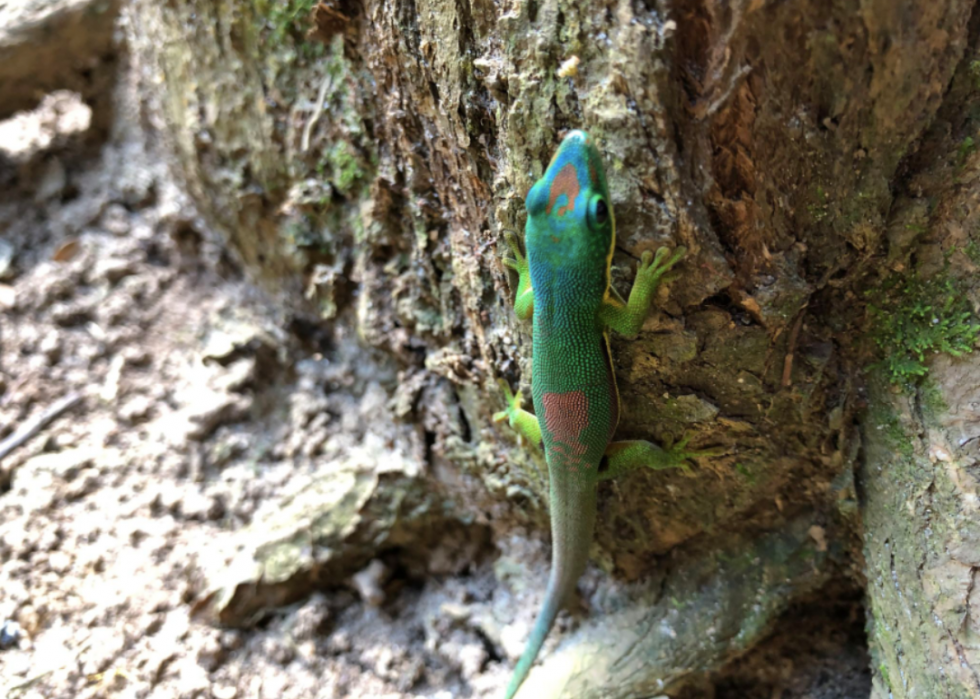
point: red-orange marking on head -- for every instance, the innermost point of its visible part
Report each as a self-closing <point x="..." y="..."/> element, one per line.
<point x="565" y="416"/>
<point x="565" y="182"/>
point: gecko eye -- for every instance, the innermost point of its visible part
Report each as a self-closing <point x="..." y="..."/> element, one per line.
<point x="598" y="212"/>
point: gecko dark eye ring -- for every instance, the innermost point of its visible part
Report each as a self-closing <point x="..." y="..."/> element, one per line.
<point x="598" y="212"/>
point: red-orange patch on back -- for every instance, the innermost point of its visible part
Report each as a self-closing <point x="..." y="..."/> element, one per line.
<point x="565" y="416"/>
<point x="565" y="182"/>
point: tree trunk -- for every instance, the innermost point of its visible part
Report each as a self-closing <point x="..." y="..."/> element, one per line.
<point x="817" y="160"/>
<point x="918" y="477"/>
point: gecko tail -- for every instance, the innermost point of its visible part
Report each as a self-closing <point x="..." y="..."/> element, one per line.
<point x="572" y="521"/>
<point x="546" y="619"/>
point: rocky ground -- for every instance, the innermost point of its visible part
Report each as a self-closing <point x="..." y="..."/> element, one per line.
<point x="195" y="412"/>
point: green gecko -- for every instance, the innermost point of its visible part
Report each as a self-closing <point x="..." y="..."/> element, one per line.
<point x="564" y="287"/>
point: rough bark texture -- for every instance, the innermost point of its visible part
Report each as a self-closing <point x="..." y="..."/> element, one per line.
<point x="369" y="179"/>
<point x="919" y="478"/>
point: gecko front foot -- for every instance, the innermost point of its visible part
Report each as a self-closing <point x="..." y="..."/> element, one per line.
<point x="518" y="262"/>
<point x="653" y="267"/>
<point x="524" y="301"/>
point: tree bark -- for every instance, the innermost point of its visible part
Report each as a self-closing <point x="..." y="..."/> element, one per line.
<point x="368" y="181"/>
<point x="918" y="477"/>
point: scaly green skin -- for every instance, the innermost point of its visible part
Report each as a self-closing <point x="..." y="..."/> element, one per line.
<point x="564" y="286"/>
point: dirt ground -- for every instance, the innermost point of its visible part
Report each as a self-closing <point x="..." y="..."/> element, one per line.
<point x="199" y="403"/>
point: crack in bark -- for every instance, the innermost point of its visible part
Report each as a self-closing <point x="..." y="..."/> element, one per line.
<point x="968" y="615"/>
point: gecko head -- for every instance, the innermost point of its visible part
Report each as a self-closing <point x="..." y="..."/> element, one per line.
<point x="568" y="210"/>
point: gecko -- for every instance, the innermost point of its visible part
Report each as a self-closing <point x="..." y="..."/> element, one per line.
<point x="564" y="289"/>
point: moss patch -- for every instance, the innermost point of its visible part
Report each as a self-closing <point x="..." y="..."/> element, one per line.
<point x="285" y="18"/>
<point x="884" y="419"/>
<point x="342" y="166"/>
<point x="915" y="317"/>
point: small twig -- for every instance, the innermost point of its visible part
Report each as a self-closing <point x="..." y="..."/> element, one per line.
<point x="716" y="104"/>
<point x="27" y="684"/>
<point x="794" y="336"/>
<point x="31" y="681"/>
<point x="32" y="427"/>
<point x="317" y="110"/>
